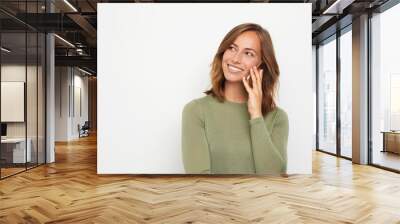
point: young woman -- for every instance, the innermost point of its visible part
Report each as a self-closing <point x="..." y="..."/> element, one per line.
<point x="237" y="128"/>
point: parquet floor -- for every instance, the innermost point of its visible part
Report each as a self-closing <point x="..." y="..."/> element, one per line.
<point x="10" y="171"/>
<point x="70" y="191"/>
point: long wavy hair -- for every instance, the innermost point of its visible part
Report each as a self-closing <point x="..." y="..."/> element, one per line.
<point x="269" y="66"/>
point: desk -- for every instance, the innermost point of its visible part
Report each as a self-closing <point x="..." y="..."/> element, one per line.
<point x="391" y="141"/>
<point x="16" y="151"/>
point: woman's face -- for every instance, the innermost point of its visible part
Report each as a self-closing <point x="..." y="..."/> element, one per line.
<point x="241" y="55"/>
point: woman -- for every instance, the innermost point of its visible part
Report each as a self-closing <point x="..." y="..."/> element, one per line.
<point x="238" y="128"/>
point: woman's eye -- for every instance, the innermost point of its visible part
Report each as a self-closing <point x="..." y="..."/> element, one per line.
<point x="250" y="54"/>
<point x="232" y="48"/>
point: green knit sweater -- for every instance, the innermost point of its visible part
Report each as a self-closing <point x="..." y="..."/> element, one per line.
<point x="220" y="138"/>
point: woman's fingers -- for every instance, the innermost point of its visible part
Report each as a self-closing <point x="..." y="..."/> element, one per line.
<point x="261" y="77"/>
<point x="254" y="81"/>
<point x="257" y="75"/>
<point x="246" y="84"/>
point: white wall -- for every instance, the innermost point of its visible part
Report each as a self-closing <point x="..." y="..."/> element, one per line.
<point x="156" y="59"/>
<point x="68" y="81"/>
<point x="61" y="103"/>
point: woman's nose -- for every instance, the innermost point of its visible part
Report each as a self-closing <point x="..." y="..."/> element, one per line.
<point x="236" y="57"/>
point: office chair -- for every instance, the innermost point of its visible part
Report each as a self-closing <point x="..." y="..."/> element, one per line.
<point x="84" y="130"/>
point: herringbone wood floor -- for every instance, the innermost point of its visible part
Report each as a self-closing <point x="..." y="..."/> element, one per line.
<point x="70" y="191"/>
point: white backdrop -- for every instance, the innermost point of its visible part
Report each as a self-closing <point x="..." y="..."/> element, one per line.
<point x="155" y="58"/>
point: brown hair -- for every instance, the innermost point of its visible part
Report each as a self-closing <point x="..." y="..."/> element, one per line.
<point x="269" y="65"/>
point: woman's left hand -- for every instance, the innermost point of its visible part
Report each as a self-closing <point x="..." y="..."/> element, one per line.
<point x="255" y="93"/>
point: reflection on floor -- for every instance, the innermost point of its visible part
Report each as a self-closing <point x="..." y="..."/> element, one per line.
<point x="347" y="152"/>
<point x="387" y="159"/>
<point x="10" y="169"/>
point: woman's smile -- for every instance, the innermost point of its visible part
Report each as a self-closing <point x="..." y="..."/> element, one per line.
<point x="234" y="69"/>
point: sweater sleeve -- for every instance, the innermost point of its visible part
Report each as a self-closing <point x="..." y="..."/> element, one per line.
<point x="269" y="147"/>
<point x="195" y="152"/>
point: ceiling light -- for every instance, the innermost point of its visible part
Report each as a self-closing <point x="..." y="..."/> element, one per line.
<point x="338" y="6"/>
<point x="70" y="5"/>
<point x="5" y="50"/>
<point x="86" y="72"/>
<point x="64" y="40"/>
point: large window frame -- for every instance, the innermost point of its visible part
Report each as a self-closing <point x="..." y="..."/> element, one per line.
<point x="387" y="5"/>
<point x="381" y="9"/>
<point x="335" y="37"/>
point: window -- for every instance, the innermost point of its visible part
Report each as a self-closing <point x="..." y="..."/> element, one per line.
<point x="385" y="88"/>
<point x="327" y="96"/>
<point x="346" y="93"/>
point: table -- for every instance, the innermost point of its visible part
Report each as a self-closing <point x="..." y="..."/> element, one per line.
<point x="391" y="141"/>
<point x="15" y="148"/>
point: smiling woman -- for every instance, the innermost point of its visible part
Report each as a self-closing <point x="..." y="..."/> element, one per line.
<point x="236" y="62"/>
<point x="238" y="128"/>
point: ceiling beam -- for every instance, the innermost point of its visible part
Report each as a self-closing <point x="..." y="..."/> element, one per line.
<point x="85" y="61"/>
<point x="85" y="25"/>
<point x="337" y="6"/>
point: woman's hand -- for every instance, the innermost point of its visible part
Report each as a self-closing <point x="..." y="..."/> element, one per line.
<point x="255" y="93"/>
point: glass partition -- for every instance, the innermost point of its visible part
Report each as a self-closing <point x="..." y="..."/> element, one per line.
<point x="13" y="109"/>
<point x="346" y="94"/>
<point x="22" y="63"/>
<point x="41" y="109"/>
<point x="327" y="96"/>
<point x="32" y="95"/>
